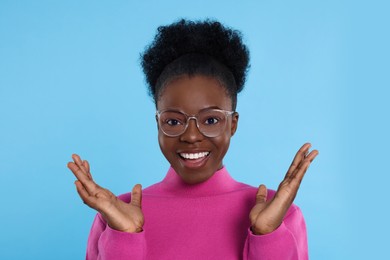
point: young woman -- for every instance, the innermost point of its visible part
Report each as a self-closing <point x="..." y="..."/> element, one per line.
<point x="194" y="71"/>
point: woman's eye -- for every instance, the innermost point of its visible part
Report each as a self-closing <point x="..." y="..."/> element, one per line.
<point x="211" y="121"/>
<point x="173" y="122"/>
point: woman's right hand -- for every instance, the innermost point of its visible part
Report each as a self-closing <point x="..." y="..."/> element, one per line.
<point x="119" y="215"/>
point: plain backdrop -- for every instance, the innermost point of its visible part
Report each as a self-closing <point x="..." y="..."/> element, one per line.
<point x="70" y="82"/>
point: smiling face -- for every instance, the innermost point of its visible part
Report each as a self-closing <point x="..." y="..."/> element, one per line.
<point x="194" y="156"/>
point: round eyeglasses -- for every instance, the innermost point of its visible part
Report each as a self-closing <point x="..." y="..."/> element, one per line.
<point x="210" y="122"/>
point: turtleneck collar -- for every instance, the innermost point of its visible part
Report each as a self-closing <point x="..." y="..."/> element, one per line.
<point x="220" y="182"/>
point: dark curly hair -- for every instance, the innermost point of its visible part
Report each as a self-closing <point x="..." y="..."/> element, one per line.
<point x="196" y="48"/>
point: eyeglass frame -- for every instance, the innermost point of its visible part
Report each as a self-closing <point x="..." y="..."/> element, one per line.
<point x="195" y="117"/>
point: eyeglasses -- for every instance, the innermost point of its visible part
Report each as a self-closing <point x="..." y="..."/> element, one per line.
<point x="210" y="122"/>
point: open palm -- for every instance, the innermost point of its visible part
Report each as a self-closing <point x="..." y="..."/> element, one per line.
<point x="119" y="215"/>
<point x="266" y="216"/>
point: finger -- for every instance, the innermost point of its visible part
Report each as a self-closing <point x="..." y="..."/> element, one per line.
<point x="305" y="163"/>
<point x="293" y="179"/>
<point x="300" y="172"/>
<point x="87" y="168"/>
<point x="299" y="156"/>
<point x="312" y="155"/>
<point x="86" y="165"/>
<point x="82" y="165"/>
<point x="261" y="195"/>
<point x="84" y="195"/>
<point x="88" y="184"/>
<point x="136" y="196"/>
<point x="76" y="158"/>
<point x="77" y="171"/>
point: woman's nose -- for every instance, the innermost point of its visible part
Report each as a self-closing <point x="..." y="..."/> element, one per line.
<point x="192" y="133"/>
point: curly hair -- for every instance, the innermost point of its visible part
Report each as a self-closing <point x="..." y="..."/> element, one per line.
<point x="196" y="48"/>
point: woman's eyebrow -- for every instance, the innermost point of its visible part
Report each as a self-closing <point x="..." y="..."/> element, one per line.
<point x="180" y="110"/>
<point x="210" y="107"/>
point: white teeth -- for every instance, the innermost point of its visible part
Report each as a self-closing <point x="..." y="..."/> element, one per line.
<point x="194" y="156"/>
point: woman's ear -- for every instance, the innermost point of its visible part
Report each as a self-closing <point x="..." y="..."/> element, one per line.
<point x="234" y="126"/>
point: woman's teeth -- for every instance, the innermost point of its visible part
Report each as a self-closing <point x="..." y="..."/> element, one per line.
<point x="194" y="156"/>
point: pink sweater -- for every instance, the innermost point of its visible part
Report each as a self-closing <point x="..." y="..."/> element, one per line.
<point x="209" y="220"/>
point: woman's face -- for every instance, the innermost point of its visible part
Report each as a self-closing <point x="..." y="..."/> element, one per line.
<point x="192" y="95"/>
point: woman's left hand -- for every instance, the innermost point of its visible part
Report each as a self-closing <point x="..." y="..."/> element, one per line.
<point x="266" y="216"/>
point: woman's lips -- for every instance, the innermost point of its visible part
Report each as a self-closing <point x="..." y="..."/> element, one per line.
<point x="193" y="160"/>
<point x="193" y="156"/>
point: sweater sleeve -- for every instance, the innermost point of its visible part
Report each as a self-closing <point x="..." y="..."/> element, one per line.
<point x="105" y="243"/>
<point x="287" y="242"/>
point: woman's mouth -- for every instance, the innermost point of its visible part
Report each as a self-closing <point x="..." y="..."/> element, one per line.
<point x="194" y="160"/>
<point x="193" y="156"/>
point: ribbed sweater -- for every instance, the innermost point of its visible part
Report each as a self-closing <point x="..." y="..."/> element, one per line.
<point x="209" y="220"/>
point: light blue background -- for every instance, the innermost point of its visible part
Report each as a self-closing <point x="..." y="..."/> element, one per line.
<point x="70" y="82"/>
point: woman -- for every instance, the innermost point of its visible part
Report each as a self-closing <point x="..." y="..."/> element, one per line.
<point x="194" y="71"/>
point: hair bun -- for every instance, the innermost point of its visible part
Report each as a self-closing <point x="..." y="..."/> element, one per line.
<point x="204" y="37"/>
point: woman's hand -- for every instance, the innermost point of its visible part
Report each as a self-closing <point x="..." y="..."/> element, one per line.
<point x="126" y="217"/>
<point x="266" y="216"/>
